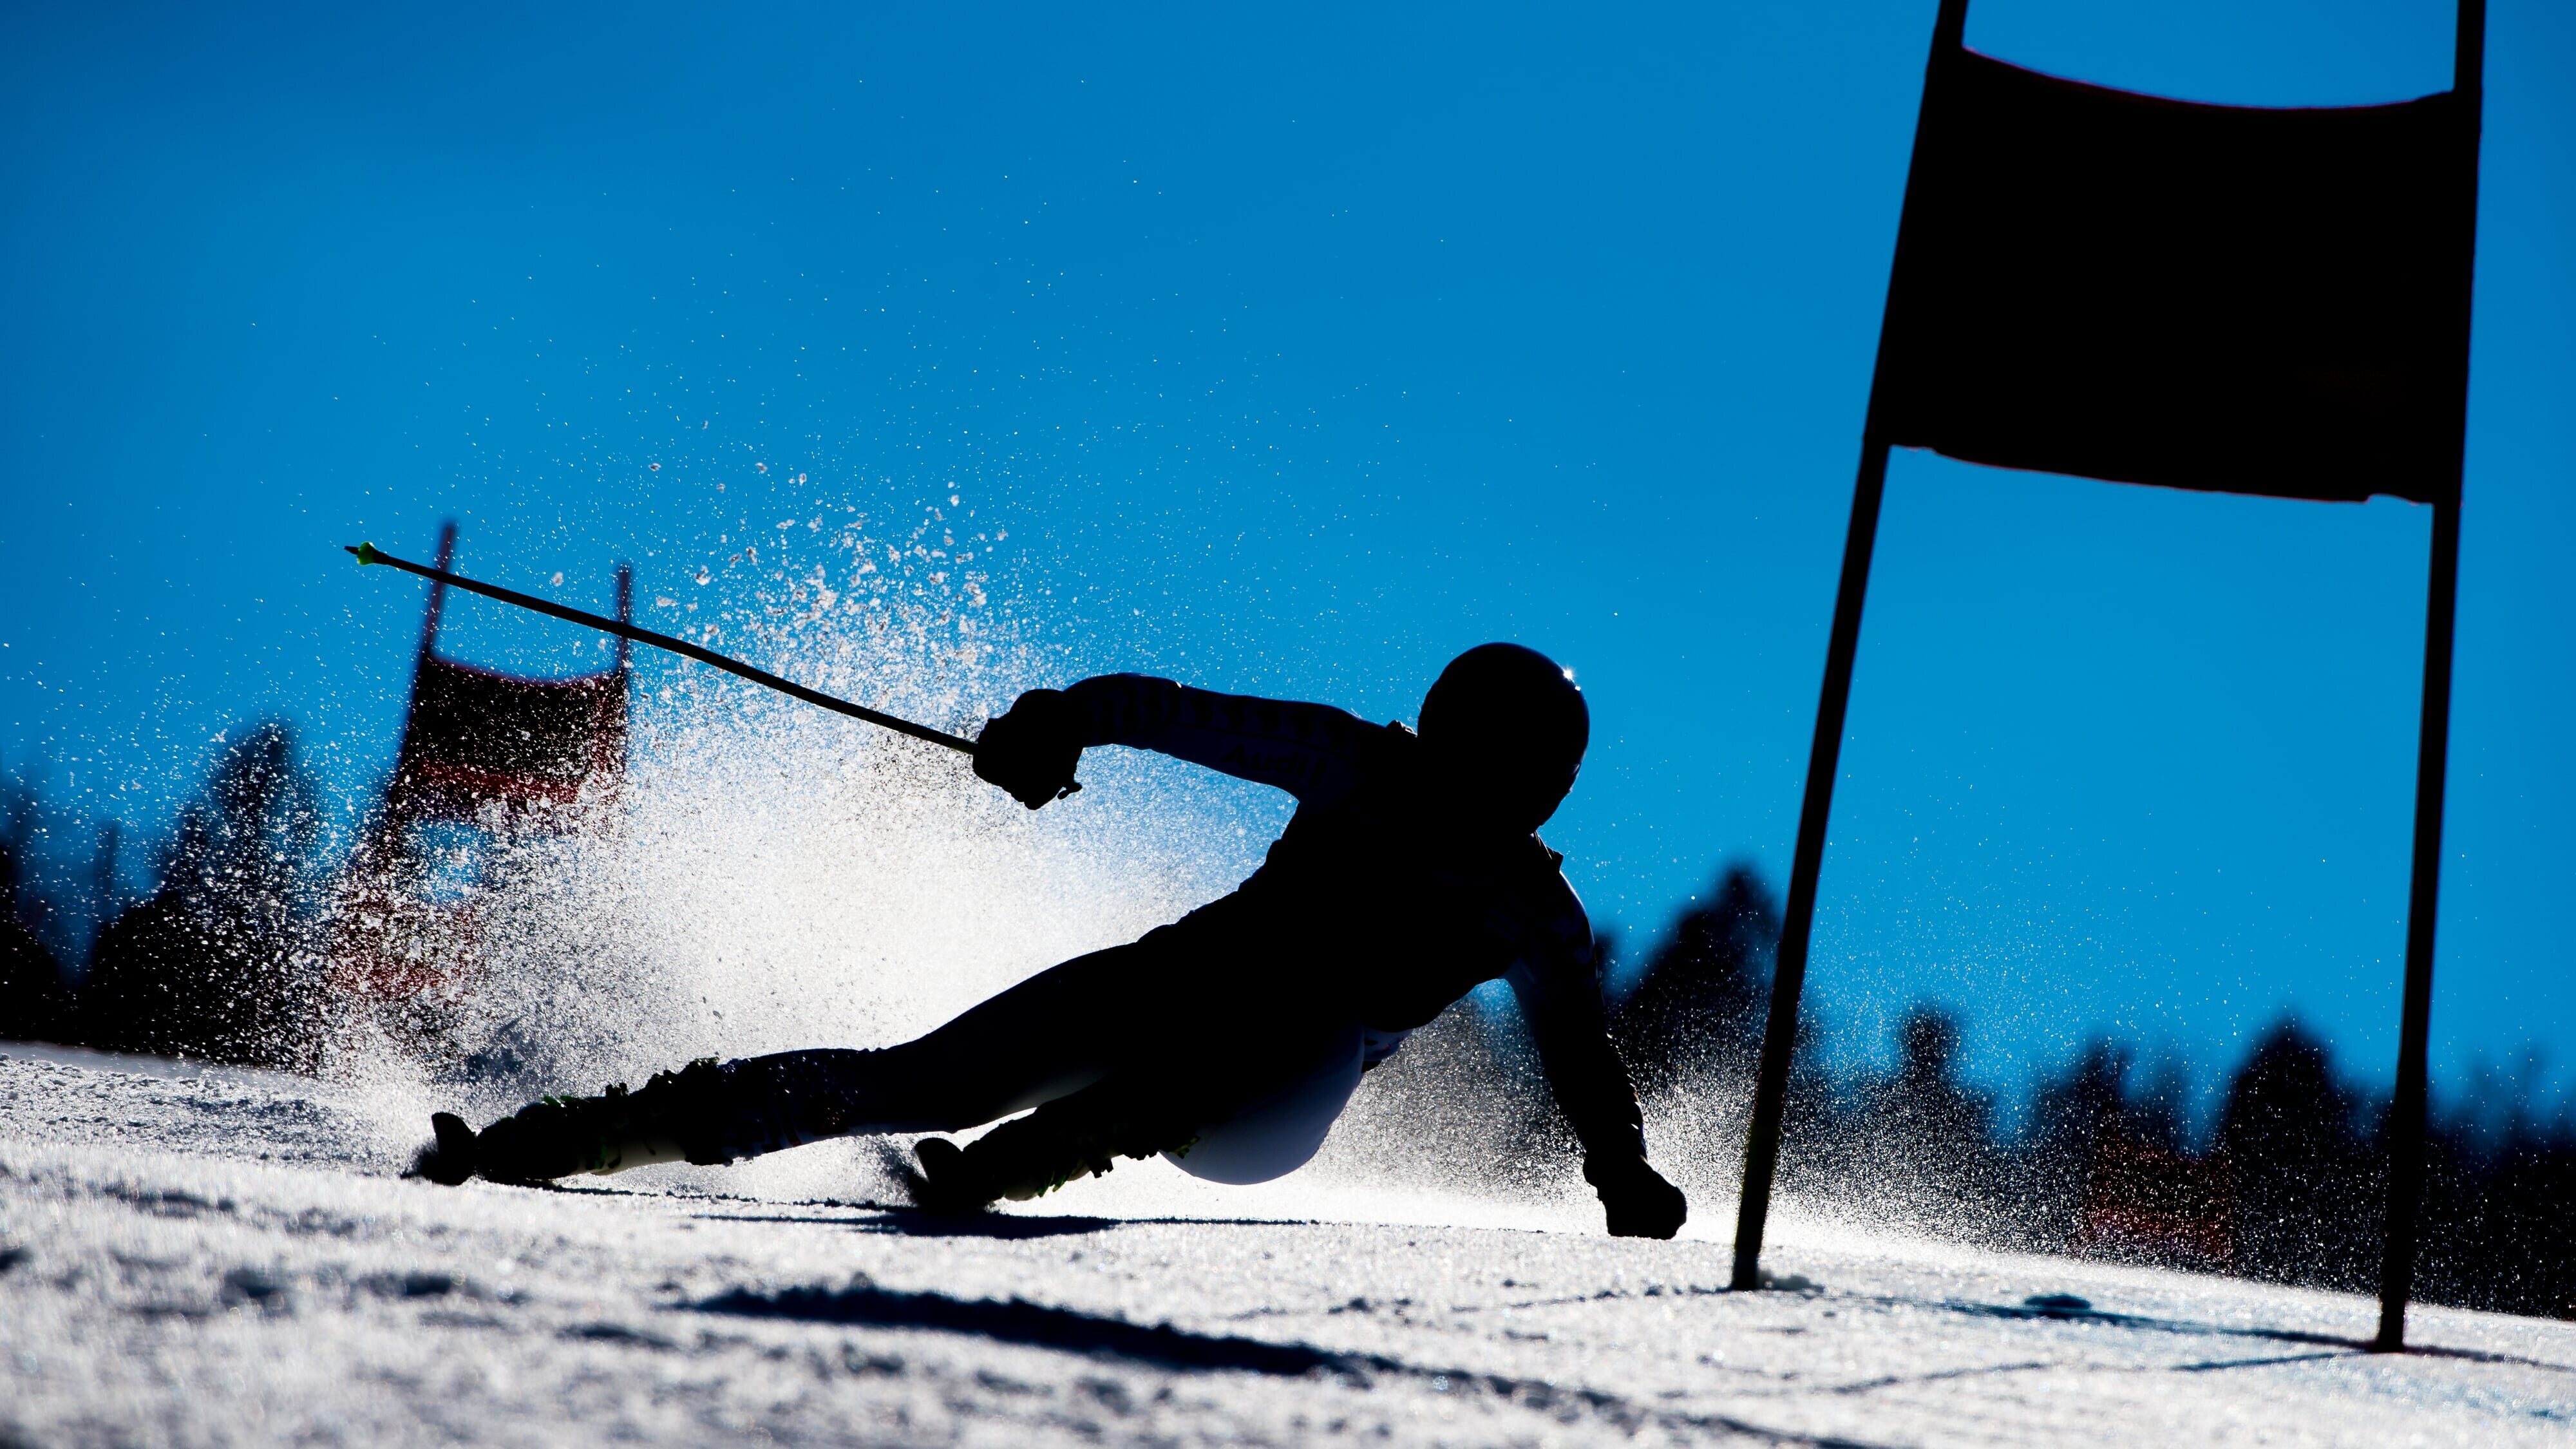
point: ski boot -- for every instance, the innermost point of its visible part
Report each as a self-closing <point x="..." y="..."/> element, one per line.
<point x="1081" y="1135"/>
<point x="678" y="1117"/>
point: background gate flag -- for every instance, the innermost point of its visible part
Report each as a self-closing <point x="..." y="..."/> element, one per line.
<point x="2147" y="291"/>
<point x="2225" y="298"/>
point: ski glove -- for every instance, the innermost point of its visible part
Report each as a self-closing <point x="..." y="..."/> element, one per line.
<point x="1032" y="749"/>
<point x="1640" y="1203"/>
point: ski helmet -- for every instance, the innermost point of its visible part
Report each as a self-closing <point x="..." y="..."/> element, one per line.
<point x="1510" y="727"/>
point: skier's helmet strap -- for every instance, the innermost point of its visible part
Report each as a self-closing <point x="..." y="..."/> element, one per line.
<point x="1512" y="724"/>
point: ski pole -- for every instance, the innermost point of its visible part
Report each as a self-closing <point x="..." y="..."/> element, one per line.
<point x="368" y="553"/>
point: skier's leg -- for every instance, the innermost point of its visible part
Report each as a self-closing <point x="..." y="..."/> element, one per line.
<point x="1051" y="1035"/>
<point x="1247" y="1103"/>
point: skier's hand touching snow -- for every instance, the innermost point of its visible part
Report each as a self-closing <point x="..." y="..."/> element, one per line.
<point x="1032" y="750"/>
<point x="1640" y="1203"/>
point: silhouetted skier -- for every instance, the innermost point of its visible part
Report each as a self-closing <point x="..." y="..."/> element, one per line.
<point x="1230" y="1039"/>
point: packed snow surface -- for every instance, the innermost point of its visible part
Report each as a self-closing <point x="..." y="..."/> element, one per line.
<point x="203" y="1257"/>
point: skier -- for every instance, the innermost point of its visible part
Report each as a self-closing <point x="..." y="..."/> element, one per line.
<point x="1229" y="1040"/>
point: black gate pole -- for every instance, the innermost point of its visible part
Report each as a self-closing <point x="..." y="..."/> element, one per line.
<point x="1780" y="1032"/>
<point x="2407" y="1116"/>
<point x="1824" y="755"/>
<point x="2408" y="1113"/>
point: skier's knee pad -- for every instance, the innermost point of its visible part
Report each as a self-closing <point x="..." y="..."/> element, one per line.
<point x="1282" y="1129"/>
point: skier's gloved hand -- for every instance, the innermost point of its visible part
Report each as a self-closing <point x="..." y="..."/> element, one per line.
<point x="1640" y="1203"/>
<point x="1032" y="749"/>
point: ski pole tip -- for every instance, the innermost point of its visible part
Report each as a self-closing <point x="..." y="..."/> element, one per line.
<point x="365" y="552"/>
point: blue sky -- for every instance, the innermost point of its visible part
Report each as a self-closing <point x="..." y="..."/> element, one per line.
<point x="1295" y="349"/>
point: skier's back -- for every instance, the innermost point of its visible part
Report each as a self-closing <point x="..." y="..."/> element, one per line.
<point x="1230" y="1039"/>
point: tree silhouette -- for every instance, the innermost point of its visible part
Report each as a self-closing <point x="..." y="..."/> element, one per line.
<point x="35" y="1004"/>
<point x="214" y="964"/>
<point x="2309" y="1187"/>
<point x="1914" y="1143"/>
<point x="2070" y="1115"/>
<point x="1696" y="1014"/>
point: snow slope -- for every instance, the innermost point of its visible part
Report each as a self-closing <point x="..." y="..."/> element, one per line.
<point x="205" y="1257"/>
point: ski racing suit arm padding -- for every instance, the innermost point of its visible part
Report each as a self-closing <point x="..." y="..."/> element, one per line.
<point x="1312" y="751"/>
<point x="1557" y="981"/>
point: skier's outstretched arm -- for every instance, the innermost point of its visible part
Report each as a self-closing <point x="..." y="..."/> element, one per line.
<point x="1308" y="750"/>
<point x="1559" y="988"/>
